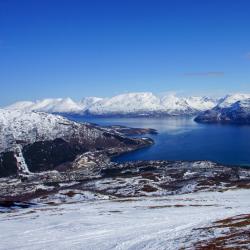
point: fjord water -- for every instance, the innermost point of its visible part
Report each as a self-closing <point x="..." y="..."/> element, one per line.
<point x="184" y="139"/>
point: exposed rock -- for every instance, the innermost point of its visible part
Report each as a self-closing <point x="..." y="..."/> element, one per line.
<point x="229" y="233"/>
<point x="131" y="131"/>
<point x="8" y="164"/>
<point x="133" y="179"/>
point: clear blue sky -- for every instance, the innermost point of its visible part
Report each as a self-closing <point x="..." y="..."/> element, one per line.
<point x="77" y="48"/>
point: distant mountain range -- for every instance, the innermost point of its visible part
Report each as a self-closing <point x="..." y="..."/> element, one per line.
<point x="131" y="104"/>
<point x="231" y="108"/>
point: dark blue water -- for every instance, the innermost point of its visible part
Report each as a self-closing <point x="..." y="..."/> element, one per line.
<point x="184" y="139"/>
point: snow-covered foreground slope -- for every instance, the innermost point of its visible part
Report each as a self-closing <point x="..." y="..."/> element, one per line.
<point x="143" y="223"/>
<point x="141" y="103"/>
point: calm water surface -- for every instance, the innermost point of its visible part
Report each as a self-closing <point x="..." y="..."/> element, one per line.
<point x="184" y="139"/>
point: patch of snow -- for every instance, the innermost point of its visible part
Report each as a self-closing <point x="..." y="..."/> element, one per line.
<point x="22" y="166"/>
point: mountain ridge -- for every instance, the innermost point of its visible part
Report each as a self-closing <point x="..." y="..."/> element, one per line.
<point x="138" y="103"/>
<point x="231" y="109"/>
<point x="39" y="141"/>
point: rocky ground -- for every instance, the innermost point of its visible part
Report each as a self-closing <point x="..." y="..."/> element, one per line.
<point x="94" y="172"/>
<point x="228" y="233"/>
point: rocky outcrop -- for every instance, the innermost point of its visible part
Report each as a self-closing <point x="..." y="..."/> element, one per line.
<point x="93" y="172"/>
<point x="8" y="164"/>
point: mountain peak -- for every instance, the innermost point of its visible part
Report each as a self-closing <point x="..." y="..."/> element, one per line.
<point x="232" y="98"/>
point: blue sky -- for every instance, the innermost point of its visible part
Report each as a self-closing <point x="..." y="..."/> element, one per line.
<point x="59" y="48"/>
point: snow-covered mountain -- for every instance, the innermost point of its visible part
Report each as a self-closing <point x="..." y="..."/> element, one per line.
<point x="147" y="103"/>
<point x="28" y="127"/>
<point x="126" y="103"/>
<point x="45" y="141"/>
<point x="228" y="100"/>
<point x="58" y="105"/>
<point x="231" y="109"/>
<point x="87" y="102"/>
<point x="136" y="104"/>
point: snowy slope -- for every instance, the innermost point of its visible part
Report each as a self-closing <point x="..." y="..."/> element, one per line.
<point x="141" y="103"/>
<point x="228" y="100"/>
<point x="127" y="103"/>
<point x="201" y="103"/>
<point x="147" y="223"/>
<point x="36" y="126"/>
<point x="87" y="102"/>
<point x="22" y="105"/>
<point x="59" y="105"/>
<point x="147" y="102"/>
